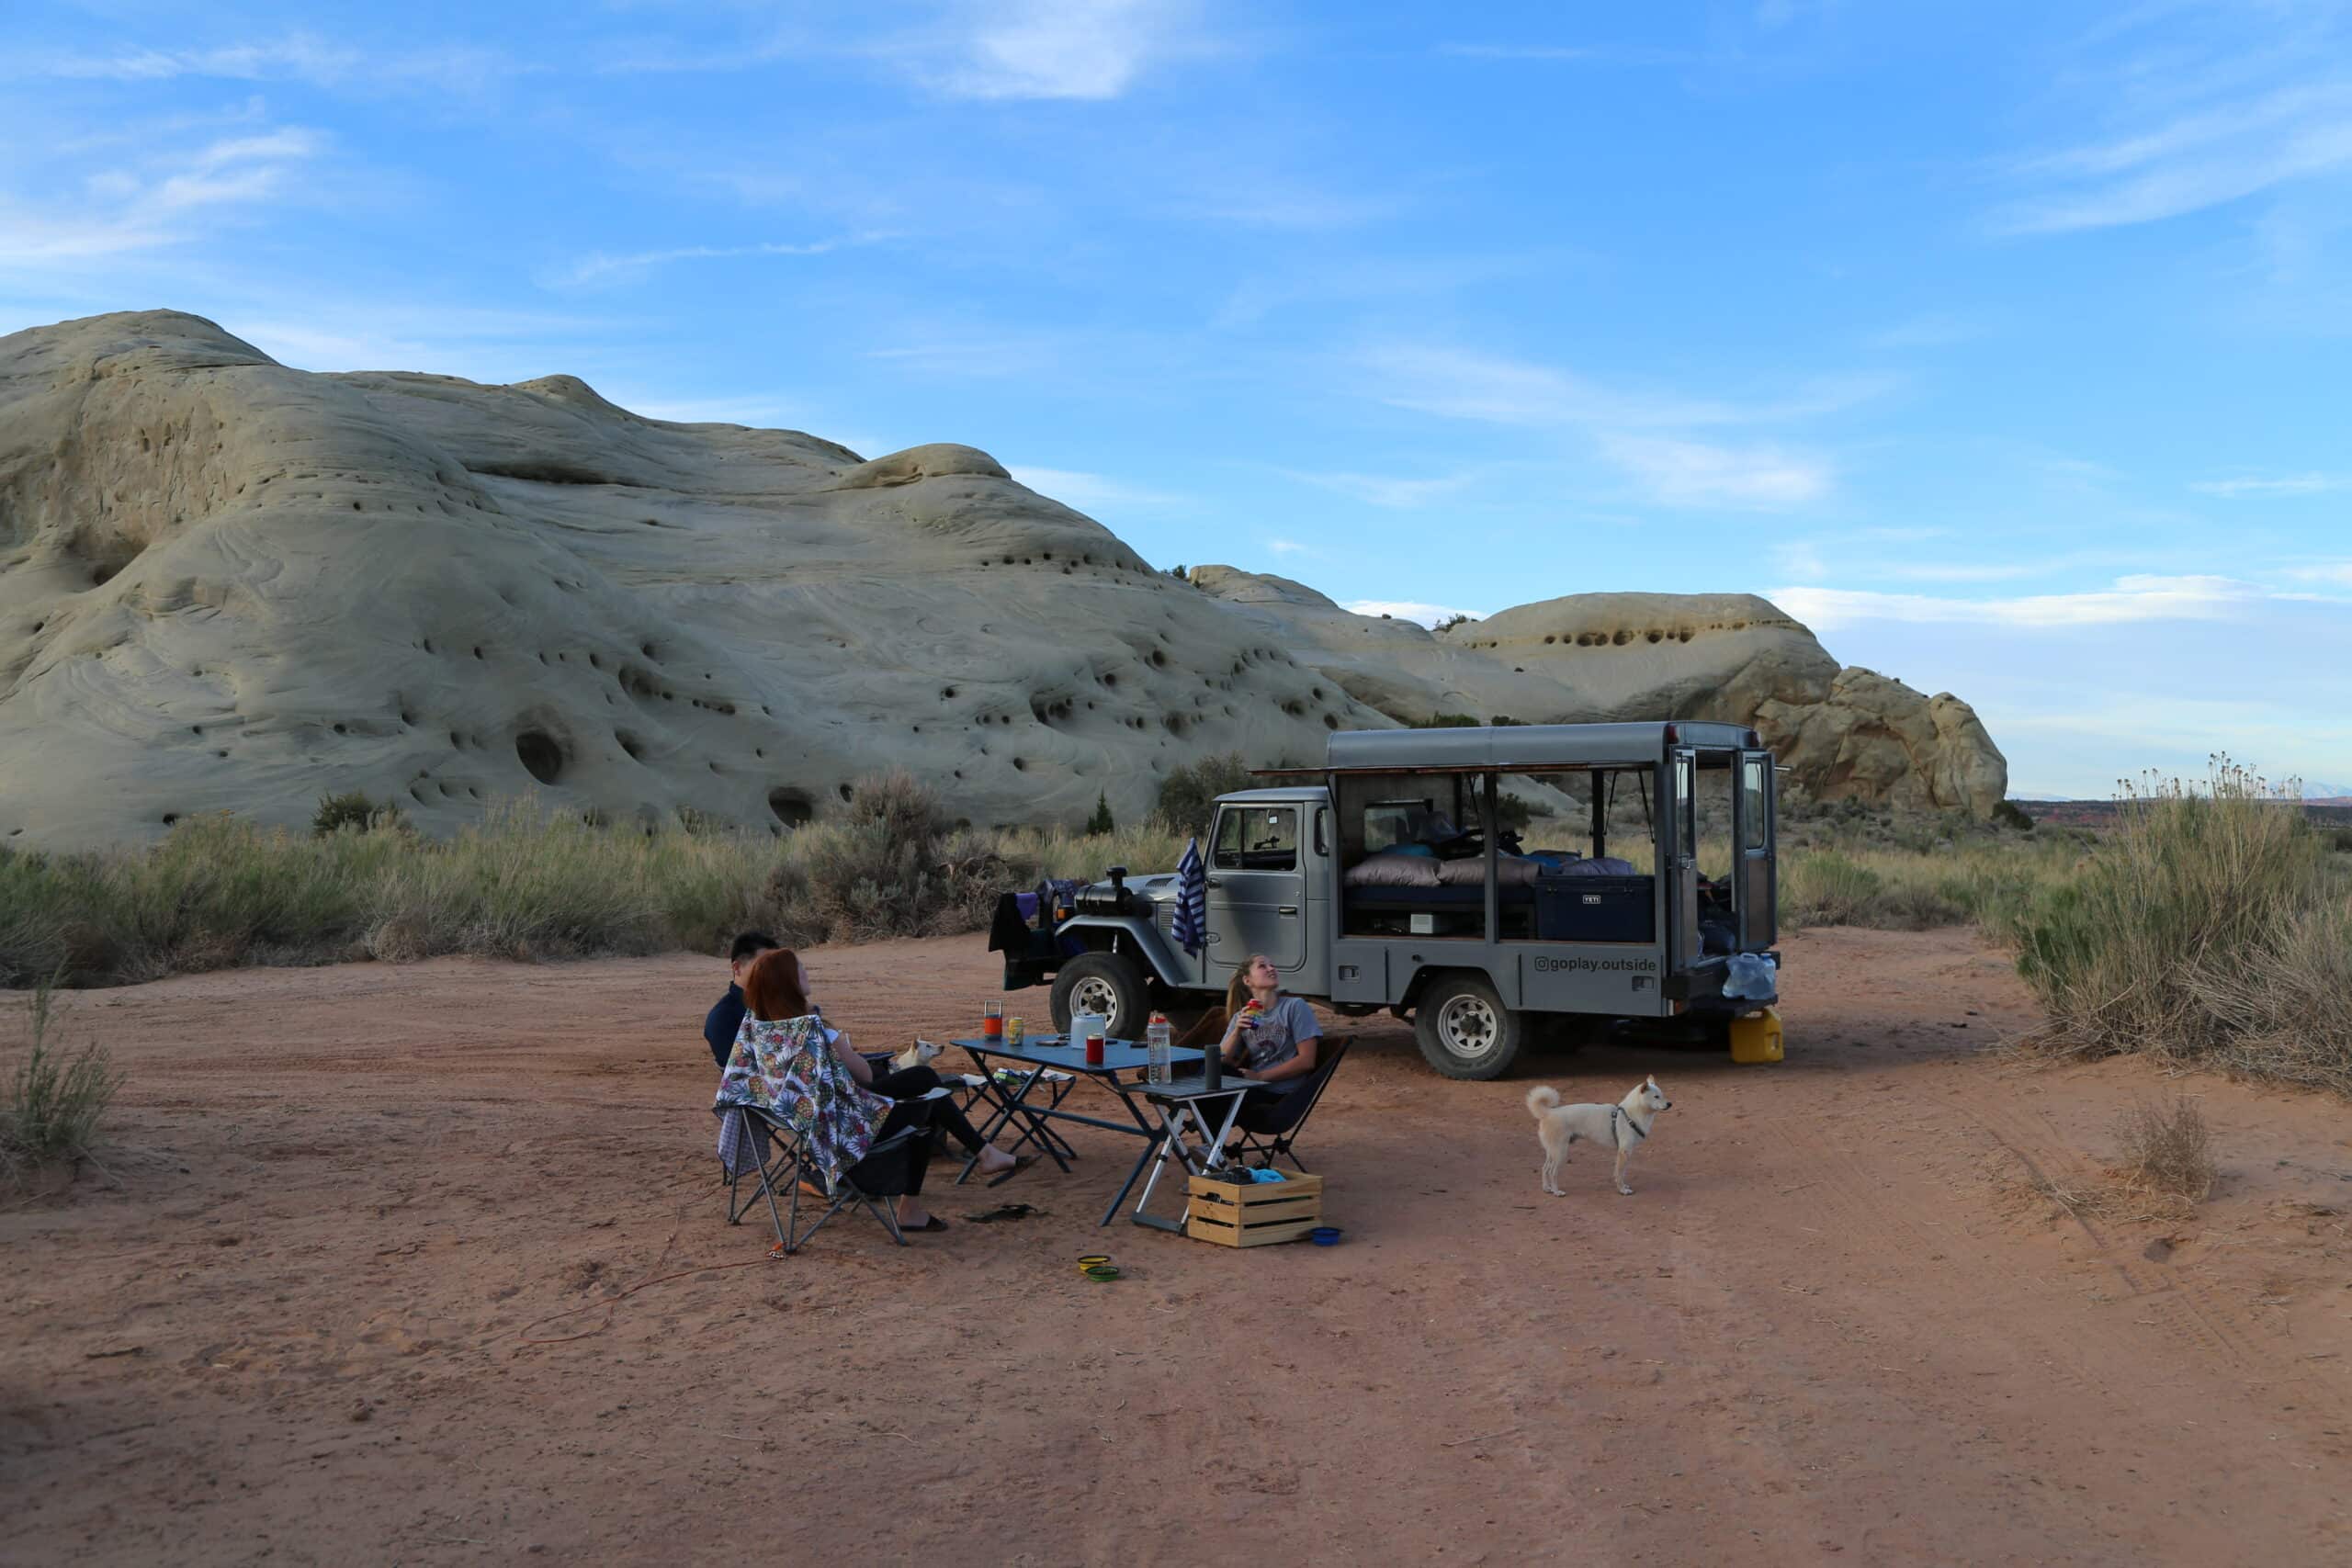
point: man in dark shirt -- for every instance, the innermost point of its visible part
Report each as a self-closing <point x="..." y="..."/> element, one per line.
<point x="720" y="1025"/>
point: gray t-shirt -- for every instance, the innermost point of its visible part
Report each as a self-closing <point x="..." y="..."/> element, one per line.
<point x="1275" y="1038"/>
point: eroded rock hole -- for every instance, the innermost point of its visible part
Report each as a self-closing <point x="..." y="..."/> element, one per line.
<point x="539" y="754"/>
<point x="630" y="744"/>
<point x="792" y="808"/>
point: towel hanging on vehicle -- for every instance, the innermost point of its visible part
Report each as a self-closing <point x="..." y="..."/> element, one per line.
<point x="1191" y="925"/>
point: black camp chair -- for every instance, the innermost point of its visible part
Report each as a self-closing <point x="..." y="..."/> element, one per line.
<point x="774" y="1149"/>
<point x="884" y="1175"/>
<point x="1269" y="1128"/>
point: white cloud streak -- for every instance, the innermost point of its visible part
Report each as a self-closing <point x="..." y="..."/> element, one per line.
<point x="1385" y="490"/>
<point x="1090" y="493"/>
<point x="1645" y="434"/>
<point x="1081" y="50"/>
<point x="158" y="202"/>
<point x="2288" y="484"/>
<point x="2233" y="102"/>
<point x="602" y="269"/>
<point x="2135" y="598"/>
<point x="297" y="57"/>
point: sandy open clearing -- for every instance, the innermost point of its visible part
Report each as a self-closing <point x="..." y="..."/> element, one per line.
<point x="1836" y="1319"/>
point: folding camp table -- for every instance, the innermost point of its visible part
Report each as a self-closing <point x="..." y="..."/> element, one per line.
<point x="1121" y="1071"/>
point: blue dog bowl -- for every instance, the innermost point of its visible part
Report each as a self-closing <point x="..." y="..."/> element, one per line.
<point x="1323" y="1235"/>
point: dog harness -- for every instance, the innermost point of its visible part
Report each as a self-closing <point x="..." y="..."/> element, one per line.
<point x="1617" y="1111"/>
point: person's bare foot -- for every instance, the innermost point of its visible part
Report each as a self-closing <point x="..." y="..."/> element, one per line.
<point x="913" y="1218"/>
<point x="994" y="1161"/>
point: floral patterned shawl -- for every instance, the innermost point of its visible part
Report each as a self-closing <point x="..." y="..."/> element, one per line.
<point x="788" y="1069"/>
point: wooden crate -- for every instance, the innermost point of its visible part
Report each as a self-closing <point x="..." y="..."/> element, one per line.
<point x="1255" y="1214"/>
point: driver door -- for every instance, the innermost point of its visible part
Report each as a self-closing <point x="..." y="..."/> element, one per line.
<point x="1256" y="890"/>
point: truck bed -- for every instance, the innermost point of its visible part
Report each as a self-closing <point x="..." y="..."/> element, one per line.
<point x="1552" y="909"/>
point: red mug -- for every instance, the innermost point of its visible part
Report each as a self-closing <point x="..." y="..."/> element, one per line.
<point x="1094" y="1043"/>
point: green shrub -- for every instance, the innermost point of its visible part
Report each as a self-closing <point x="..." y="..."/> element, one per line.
<point x="1188" y="794"/>
<point x="2210" y="925"/>
<point x="2340" y="840"/>
<point x="1100" y="821"/>
<point x="352" y="810"/>
<point x="1448" y="721"/>
<point x="55" y="1098"/>
<point x="1825" y="888"/>
<point x="2010" y="814"/>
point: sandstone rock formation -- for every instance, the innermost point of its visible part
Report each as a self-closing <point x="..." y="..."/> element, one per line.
<point x="228" y="586"/>
<point x="1733" y="658"/>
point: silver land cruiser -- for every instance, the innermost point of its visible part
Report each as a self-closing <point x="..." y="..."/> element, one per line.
<point x="1380" y="880"/>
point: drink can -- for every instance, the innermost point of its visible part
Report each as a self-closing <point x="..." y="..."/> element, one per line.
<point x="1013" y="1029"/>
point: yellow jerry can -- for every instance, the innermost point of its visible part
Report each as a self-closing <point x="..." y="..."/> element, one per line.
<point x="1755" y="1036"/>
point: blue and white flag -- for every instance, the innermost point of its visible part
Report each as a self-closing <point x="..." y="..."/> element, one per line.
<point x="1191" y="923"/>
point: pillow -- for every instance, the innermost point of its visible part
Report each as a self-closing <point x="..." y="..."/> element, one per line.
<point x="1607" y="866"/>
<point x="1513" y="871"/>
<point x="1392" y="870"/>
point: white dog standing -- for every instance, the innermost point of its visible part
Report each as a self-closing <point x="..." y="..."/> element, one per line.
<point x="1624" y="1126"/>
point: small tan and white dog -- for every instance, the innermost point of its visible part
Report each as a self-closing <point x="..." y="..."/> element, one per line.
<point x="1624" y="1126"/>
<point x="916" y="1054"/>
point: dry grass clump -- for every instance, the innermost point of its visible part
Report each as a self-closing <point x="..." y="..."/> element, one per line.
<point x="525" y="882"/>
<point x="2165" y="1147"/>
<point x="54" y="1098"/>
<point x="2211" y="927"/>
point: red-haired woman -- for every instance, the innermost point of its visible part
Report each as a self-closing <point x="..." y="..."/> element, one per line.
<point x="775" y="990"/>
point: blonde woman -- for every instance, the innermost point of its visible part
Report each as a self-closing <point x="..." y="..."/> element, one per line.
<point x="1270" y="1039"/>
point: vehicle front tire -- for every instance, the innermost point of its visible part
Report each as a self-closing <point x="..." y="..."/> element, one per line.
<point x="1464" y="1030"/>
<point x="1106" y="983"/>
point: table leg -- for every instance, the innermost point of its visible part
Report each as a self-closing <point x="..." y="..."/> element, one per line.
<point x="1163" y="1143"/>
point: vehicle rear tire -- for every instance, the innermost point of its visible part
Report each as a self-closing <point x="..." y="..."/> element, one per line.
<point x="1107" y="983"/>
<point x="1464" y="1030"/>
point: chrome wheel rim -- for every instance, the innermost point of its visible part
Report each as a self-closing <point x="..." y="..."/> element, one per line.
<point x="1096" y="995"/>
<point x="1468" y="1028"/>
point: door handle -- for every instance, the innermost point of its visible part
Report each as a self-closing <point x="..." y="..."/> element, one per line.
<point x="1213" y="881"/>
<point x="1287" y="910"/>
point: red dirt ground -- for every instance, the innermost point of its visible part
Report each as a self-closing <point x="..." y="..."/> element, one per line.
<point x="1837" y="1319"/>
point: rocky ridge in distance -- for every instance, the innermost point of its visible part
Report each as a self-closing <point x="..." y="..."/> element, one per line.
<point x="230" y="585"/>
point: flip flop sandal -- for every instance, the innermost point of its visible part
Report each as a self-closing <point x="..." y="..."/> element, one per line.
<point x="931" y="1225"/>
<point x="1002" y="1211"/>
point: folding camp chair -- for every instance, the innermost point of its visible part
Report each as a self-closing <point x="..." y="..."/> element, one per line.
<point x="1269" y="1130"/>
<point x="874" y="1182"/>
<point x="754" y="1145"/>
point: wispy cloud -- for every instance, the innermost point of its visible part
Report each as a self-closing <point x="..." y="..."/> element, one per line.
<point x="1383" y="489"/>
<point x="158" y="200"/>
<point x="1290" y="547"/>
<point x="2201" y="106"/>
<point x="297" y="57"/>
<point x="1090" y="492"/>
<point x="1269" y="203"/>
<point x="1643" y="433"/>
<point x="1935" y="330"/>
<point x="2337" y="572"/>
<point x="2283" y="484"/>
<point x="1411" y="610"/>
<point x="1697" y="473"/>
<point x="1085" y="50"/>
<point x="2136" y="598"/>
<point x="1570" y="54"/>
<point x="1463" y="384"/>
<point x="602" y="269"/>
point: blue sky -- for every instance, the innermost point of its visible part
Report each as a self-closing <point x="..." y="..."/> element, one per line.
<point x="2005" y="345"/>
